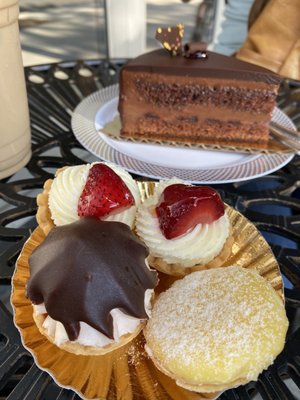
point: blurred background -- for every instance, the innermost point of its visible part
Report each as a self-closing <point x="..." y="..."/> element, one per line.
<point x="63" y="30"/>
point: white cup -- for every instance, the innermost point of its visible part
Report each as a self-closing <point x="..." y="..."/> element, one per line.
<point x="15" y="138"/>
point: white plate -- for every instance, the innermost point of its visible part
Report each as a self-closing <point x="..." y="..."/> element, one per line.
<point x="164" y="162"/>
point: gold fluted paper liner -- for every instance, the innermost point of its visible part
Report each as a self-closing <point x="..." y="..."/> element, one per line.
<point x="127" y="373"/>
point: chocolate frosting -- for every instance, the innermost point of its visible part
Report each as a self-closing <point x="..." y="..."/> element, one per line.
<point x="85" y="269"/>
<point x="213" y="66"/>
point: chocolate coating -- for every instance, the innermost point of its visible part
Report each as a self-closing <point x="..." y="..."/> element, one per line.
<point x="214" y="66"/>
<point x="85" y="269"/>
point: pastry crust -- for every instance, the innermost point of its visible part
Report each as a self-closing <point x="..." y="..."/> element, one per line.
<point x="43" y="215"/>
<point x="77" y="348"/>
<point x="216" y="329"/>
<point x="180" y="271"/>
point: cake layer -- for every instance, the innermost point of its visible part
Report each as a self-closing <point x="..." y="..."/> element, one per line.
<point x="192" y="114"/>
<point x="178" y="92"/>
<point x="217" y="132"/>
<point x="195" y="123"/>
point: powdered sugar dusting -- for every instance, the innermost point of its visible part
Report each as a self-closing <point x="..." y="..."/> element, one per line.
<point x="217" y="326"/>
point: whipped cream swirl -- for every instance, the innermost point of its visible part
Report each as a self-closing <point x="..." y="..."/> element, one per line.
<point x="89" y="336"/>
<point x="68" y="185"/>
<point x="199" y="246"/>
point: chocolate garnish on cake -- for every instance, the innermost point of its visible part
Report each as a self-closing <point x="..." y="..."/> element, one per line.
<point x="85" y="269"/>
<point x="195" y="50"/>
<point x="171" y="38"/>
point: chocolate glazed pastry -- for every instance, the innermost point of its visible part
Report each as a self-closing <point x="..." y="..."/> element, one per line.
<point x="85" y="269"/>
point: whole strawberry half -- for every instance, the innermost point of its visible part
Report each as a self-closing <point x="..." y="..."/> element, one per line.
<point x="182" y="207"/>
<point x="104" y="193"/>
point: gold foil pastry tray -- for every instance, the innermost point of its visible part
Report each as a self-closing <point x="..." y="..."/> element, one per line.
<point x="127" y="373"/>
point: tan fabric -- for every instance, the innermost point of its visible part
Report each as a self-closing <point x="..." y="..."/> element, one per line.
<point x="273" y="39"/>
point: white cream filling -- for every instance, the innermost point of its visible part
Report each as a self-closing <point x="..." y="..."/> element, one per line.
<point x="89" y="336"/>
<point x="199" y="246"/>
<point x="67" y="187"/>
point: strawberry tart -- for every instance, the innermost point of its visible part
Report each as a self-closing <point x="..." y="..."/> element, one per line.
<point x="95" y="299"/>
<point x="101" y="190"/>
<point x="185" y="227"/>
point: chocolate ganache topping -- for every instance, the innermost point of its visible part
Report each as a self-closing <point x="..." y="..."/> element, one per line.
<point x="85" y="269"/>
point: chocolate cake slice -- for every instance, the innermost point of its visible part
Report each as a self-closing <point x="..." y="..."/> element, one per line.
<point x="214" y="100"/>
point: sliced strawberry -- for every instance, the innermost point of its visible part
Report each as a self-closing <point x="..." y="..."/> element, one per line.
<point x="182" y="207"/>
<point x="104" y="193"/>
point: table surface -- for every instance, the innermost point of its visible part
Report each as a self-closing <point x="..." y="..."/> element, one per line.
<point x="272" y="203"/>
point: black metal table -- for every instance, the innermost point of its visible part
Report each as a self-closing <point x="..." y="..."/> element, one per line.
<point x="272" y="203"/>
